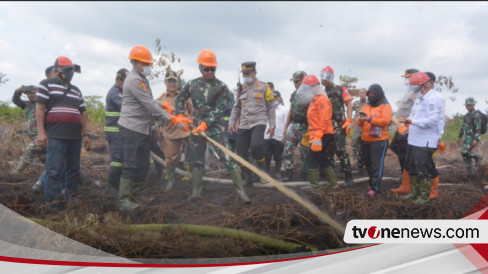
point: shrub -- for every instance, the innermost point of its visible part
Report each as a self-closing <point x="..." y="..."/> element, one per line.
<point x="95" y="110"/>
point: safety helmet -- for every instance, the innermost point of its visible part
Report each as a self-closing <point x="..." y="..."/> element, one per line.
<point x="207" y="58"/>
<point x="327" y="74"/>
<point x="419" y="78"/>
<point x="310" y="80"/>
<point x="141" y="53"/>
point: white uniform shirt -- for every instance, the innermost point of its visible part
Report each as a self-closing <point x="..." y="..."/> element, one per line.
<point x="281" y="115"/>
<point x="427" y="120"/>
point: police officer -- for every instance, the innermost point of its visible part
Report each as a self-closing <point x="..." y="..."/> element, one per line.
<point x="295" y="127"/>
<point x="210" y="98"/>
<point x="338" y="97"/>
<point x="254" y="109"/>
<point x="113" y="104"/>
<point x="471" y="130"/>
<point x="138" y="107"/>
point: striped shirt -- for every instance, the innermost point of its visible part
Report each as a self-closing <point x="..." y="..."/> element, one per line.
<point x="63" y="116"/>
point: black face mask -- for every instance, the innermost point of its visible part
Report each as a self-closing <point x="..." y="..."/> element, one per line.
<point x="373" y="99"/>
<point x="66" y="74"/>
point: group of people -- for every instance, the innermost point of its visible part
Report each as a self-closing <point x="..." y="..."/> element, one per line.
<point x="254" y="119"/>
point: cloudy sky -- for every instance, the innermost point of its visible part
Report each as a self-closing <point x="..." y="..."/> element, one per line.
<point x="374" y="41"/>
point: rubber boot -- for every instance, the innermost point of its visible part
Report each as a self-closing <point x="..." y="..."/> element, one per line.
<point x="414" y="188"/>
<point x="348" y="179"/>
<point x="171" y="173"/>
<point x="405" y="187"/>
<point x="188" y="170"/>
<point x="196" y="183"/>
<point x="236" y="178"/>
<point x="20" y="166"/>
<point x="125" y="189"/>
<point x="288" y="176"/>
<point x="330" y="176"/>
<point x="424" y="190"/>
<point x="137" y="190"/>
<point x="314" y="177"/>
<point x="246" y="175"/>
<point x="261" y="165"/>
<point x="434" y="189"/>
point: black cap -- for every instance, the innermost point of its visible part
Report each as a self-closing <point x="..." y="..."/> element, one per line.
<point x="431" y="75"/>
<point x="171" y="75"/>
<point x="409" y="72"/>
<point x="276" y="93"/>
<point x="122" y="74"/>
<point x="248" y="67"/>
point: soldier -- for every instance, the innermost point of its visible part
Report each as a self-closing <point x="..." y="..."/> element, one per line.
<point x="210" y="98"/>
<point x="424" y="136"/>
<point x="113" y="104"/>
<point x="172" y="137"/>
<point x="471" y="130"/>
<point x="138" y="107"/>
<point x="296" y="121"/>
<point x="33" y="150"/>
<point x="356" y="133"/>
<point x="254" y="109"/>
<point x="338" y="97"/>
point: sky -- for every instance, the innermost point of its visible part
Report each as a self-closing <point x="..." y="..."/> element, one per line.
<point x="373" y="41"/>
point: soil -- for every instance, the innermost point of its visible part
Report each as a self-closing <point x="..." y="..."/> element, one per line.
<point x="271" y="213"/>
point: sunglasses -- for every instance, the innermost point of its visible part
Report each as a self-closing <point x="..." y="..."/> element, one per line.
<point x="209" y="69"/>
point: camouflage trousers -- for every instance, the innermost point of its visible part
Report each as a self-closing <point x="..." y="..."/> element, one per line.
<point x="293" y="137"/>
<point x="32" y="151"/>
<point x="356" y="140"/>
<point x="341" y="152"/>
<point x="467" y="153"/>
<point x="198" y="146"/>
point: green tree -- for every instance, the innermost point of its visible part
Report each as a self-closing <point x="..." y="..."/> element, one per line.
<point x="163" y="62"/>
<point x="348" y="81"/>
<point x="95" y="109"/>
<point x="444" y="83"/>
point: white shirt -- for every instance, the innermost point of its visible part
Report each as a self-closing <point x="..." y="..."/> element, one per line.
<point x="427" y="120"/>
<point x="281" y="115"/>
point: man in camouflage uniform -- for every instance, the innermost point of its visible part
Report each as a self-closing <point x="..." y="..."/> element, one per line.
<point x="210" y="98"/>
<point x="471" y="130"/>
<point x="254" y="109"/>
<point x="342" y="123"/>
<point x="356" y="134"/>
<point x="298" y="126"/>
<point x="33" y="150"/>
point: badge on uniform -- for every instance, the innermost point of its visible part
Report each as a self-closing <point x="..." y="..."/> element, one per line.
<point x="143" y="86"/>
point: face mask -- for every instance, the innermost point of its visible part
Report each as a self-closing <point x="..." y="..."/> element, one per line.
<point x="66" y="74"/>
<point x="146" y="71"/>
<point x="407" y="82"/>
<point x="373" y="99"/>
<point x="248" y="80"/>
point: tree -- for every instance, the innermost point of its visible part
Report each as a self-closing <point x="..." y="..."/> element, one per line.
<point x="163" y="61"/>
<point x="445" y="83"/>
<point x="3" y="78"/>
<point x="348" y="81"/>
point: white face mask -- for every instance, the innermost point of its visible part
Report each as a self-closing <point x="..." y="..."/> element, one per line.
<point x="248" y="80"/>
<point x="146" y="71"/>
<point x="407" y="82"/>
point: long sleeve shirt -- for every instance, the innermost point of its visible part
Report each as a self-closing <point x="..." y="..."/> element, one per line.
<point x="427" y="117"/>
<point x="281" y="115"/>
<point x="319" y="117"/>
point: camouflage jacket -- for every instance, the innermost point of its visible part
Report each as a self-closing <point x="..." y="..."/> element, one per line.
<point x="336" y="97"/>
<point x="210" y="101"/>
<point x="29" y="114"/>
<point x="298" y="110"/>
<point x="471" y="126"/>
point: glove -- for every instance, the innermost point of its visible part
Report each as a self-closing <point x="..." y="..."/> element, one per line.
<point x="180" y="122"/>
<point x="441" y="146"/>
<point x="347" y="126"/>
<point x="305" y="140"/>
<point x="316" y="144"/>
<point x="202" y="127"/>
<point x="166" y="106"/>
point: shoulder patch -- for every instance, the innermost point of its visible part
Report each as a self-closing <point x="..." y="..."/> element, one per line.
<point x="143" y="86"/>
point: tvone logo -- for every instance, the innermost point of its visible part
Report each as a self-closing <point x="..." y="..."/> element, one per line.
<point x="373" y="232"/>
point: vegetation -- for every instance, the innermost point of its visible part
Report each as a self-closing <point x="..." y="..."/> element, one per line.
<point x="10" y="114"/>
<point x="95" y="110"/>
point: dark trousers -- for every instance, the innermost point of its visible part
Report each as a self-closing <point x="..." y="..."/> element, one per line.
<point x="253" y="138"/>
<point x="324" y="158"/>
<point x="373" y="157"/>
<point x="273" y="149"/>
<point x="135" y="152"/>
<point x="115" y="149"/>
<point x="156" y="149"/>
<point x="419" y="162"/>
<point x="399" y="147"/>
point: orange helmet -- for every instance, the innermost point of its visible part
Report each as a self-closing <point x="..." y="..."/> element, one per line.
<point x="419" y="78"/>
<point x="207" y="58"/>
<point x="310" y="80"/>
<point x="141" y="53"/>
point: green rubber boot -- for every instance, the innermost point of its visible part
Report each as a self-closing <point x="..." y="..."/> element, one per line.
<point x="330" y="176"/>
<point x="125" y="192"/>
<point x="423" y="191"/>
<point x="196" y="183"/>
<point x="171" y="173"/>
<point x="137" y="188"/>
<point x="236" y="178"/>
<point x="314" y="177"/>
<point x="21" y="166"/>
<point x="414" y="185"/>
